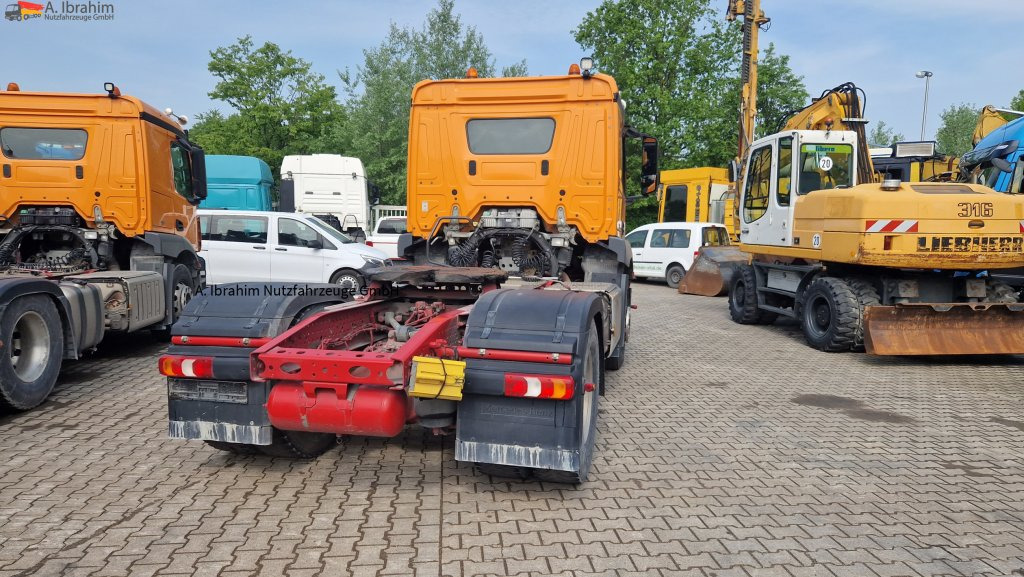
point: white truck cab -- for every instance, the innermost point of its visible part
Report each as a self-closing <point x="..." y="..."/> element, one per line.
<point x="331" y="187"/>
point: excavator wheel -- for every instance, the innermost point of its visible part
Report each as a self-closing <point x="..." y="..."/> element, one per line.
<point x="867" y="296"/>
<point x="743" y="299"/>
<point x="831" y="315"/>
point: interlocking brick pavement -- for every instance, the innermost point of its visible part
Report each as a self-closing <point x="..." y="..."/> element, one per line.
<point x="723" y="450"/>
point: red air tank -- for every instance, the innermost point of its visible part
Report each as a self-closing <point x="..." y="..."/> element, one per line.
<point x="338" y="408"/>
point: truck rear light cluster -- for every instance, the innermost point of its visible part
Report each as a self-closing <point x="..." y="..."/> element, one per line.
<point x="539" y="386"/>
<point x="190" y="367"/>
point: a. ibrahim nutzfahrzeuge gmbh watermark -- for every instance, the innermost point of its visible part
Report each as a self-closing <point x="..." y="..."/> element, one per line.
<point x="59" y="11"/>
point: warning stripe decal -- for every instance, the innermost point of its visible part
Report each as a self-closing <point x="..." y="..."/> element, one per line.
<point x="894" y="225"/>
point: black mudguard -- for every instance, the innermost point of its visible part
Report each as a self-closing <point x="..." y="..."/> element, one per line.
<point x="230" y="408"/>
<point x="493" y="428"/>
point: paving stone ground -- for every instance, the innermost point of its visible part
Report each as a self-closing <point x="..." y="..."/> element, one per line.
<point x="723" y="450"/>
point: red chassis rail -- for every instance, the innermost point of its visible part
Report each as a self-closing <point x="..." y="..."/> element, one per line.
<point x="296" y="354"/>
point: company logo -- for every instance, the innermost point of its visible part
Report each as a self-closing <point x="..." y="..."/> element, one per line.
<point x="65" y="10"/>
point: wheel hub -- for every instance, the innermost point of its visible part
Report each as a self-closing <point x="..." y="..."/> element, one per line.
<point x="30" y="346"/>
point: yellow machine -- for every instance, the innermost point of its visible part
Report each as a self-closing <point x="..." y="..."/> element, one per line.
<point x="899" y="268"/>
<point x="98" y="226"/>
<point x="697" y="195"/>
<point x="526" y="175"/>
<point x="913" y="162"/>
<point x="991" y="118"/>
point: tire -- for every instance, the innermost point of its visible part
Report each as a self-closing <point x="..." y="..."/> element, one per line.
<point x="674" y="275"/>
<point x="831" y="315"/>
<point x="183" y="290"/>
<point x="31" y="350"/>
<point x="587" y="404"/>
<point x="504" y="471"/>
<point x="235" y="448"/>
<point x="743" y="299"/>
<point x="867" y="296"/>
<point x="999" y="292"/>
<point x="348" y="278"/>
<point x="298" y="444"/>
<point x="618" y="356"/>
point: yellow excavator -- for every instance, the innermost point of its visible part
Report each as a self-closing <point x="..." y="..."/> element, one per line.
<point x="892" y="267"/>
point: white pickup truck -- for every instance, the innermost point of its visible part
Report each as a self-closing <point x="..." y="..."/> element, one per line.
<point x="385" y="235"/>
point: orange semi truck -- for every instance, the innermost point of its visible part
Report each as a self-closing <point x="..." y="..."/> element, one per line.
<point x="98" y="231"/>
<point x="507" y="177"/>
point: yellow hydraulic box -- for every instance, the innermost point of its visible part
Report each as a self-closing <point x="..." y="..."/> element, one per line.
<point x="434" y="378"/>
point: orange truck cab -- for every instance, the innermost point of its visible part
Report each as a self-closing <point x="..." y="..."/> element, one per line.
<point x="98" y="227"/>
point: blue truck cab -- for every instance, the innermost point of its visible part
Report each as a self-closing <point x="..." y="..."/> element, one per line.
<point x="1000" y="149"/>
<point x="237" y="183"/>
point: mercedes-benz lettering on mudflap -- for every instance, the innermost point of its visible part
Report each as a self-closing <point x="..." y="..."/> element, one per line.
<point x="97" y="228"/>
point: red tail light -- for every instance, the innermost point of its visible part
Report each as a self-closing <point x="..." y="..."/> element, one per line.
<point x="190" y="367"/>
<point x="696" y="253"/>
<point x="539" y="386"/>
<point x="368" y="242"/>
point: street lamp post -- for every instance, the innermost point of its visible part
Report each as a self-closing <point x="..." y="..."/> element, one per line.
<point x="927" y="75"/>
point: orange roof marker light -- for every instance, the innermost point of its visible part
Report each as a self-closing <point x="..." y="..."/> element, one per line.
<point x="574" y="69"/>
<point x="13" y="87"/>
<point x="471" y="73"/>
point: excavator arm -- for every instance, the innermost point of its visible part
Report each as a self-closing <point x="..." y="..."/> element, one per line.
<point x="839" y="108"/>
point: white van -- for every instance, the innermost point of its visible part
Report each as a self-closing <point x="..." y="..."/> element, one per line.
<point x="248" y="246"/>
<point x="329" y="186"/>
<point x="666" y="250"/>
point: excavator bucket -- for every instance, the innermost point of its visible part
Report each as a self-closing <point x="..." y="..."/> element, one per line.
<point x="945" y="329"/>
<point x="712" y="271"/>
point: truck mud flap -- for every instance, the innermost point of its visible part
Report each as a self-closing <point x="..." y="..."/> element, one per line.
<point x="524" y="432"/>
<point x="945" y="329"/>
<point x="231" y="412"/>
<point x="492" y="428"/>
<point x="712" y="271"/>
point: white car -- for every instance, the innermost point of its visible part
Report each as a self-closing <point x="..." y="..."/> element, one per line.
<point x="666" y="250"/>
<point x="385" y="235"/>
<point x="254" y="246"/>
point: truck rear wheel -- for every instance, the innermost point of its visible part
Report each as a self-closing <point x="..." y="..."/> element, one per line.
<point x="298" y="444"/>
<point x="31" y="347"/>
<point x="831" y="315"/>
<point x="592" y="372"/>
<point x="617" y="359"/>
<point x="743" y="299"/>
<point x="235" y="448"/>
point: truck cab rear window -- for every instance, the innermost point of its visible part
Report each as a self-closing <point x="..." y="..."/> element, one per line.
<point x="43" y="143"/>
<point x="510" y="135"/>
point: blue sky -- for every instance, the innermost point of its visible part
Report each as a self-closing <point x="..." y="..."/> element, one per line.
<point x="159" y="51"/>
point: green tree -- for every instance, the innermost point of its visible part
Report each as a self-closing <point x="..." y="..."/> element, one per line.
<point x="1017" y="103"/>
<point x="883" y="135"/>
<point x="280" y="105"/>
<point x="677" y="66"/>
<point x="379" y="91"/>
<point x="954" y="136"/>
